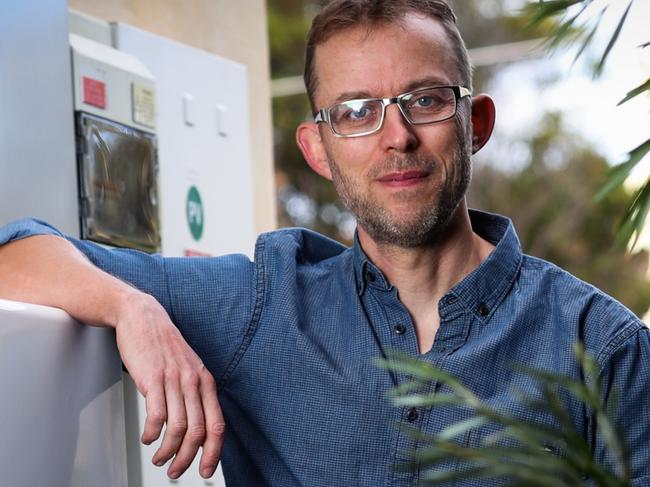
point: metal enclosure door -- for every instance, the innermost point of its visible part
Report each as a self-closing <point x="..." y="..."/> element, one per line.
<point x="118" y="171"/>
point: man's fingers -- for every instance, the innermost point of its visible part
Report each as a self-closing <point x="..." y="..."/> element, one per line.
<point x="195" y="434"/>
<point x="176" y="422"/>
<point x="215" y="427"/>
<point x="176" y="385"/>
<point x="156" y="413"/>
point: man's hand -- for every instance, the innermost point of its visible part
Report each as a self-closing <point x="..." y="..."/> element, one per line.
<point x="178" y="389"/>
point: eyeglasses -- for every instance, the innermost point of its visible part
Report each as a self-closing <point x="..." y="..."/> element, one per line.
<point x="355" y="118"/>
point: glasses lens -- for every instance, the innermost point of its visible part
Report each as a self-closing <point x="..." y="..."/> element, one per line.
<point x="429" y="105"/>
<point x="356" y="116"/>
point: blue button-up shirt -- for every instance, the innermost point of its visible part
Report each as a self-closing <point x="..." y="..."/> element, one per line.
<point x="291" y="339"/>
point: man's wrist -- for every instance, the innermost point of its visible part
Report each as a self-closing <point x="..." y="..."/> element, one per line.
<point x="125" y="300"/>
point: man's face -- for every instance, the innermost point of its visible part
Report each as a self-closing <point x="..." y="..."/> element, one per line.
<point x="404" y="182"/>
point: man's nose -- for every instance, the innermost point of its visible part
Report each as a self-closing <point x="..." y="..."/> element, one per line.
<point x="397" y="134"/>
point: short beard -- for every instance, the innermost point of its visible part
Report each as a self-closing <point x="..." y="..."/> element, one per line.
<point x="430" y="222"/>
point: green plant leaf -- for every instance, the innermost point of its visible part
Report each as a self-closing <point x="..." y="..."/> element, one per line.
<point x="509" y="461"/>
<point x="615" y="446"/>
<point x="490" y="471"/>
<point x="540" y="11"/>
<point x="588" y="38"/>
<point x="461" y="427"/>
<point x="406" y="365"/>
<point x="563" y="31"/>
<point x="635" y="217"/>
<point x="526" y="453"/>
<point x="620" y="172"/>
<point x="425" y="372"/>
<point x="636" y="91"/>
<point x="441" y="476"/>
<point x="405" y="388"/>
<point x="429" y="400"/>
<point x="599" y="67"/>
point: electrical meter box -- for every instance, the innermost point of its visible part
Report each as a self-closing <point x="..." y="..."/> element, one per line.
<point x="115" y="119"/>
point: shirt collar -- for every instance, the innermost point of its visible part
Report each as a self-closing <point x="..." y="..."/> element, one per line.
<point x="365" y="272"/>
<point x="483" y="289"/>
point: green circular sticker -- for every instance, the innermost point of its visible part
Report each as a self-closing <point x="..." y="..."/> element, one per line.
<point x="194" y="213"/>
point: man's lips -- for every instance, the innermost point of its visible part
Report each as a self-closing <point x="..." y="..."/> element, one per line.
<point x="403" y="178"/>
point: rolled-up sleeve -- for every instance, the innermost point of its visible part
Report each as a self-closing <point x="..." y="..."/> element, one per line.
<point x="19" y="229"/>
<point x="210" y="300"/>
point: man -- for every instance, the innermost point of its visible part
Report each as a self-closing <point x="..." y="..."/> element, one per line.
<point x="290" y="338"/>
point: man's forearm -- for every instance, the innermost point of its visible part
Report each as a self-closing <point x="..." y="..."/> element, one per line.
<point x="178" y="389"/>
<point x="49" y="270"/>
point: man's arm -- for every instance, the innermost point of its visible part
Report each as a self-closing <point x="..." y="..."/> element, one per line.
<point x="178" y="389"/>
<point x="625" y="378"/>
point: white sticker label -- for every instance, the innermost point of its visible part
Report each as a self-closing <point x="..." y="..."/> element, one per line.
<point x="144" y="105"/>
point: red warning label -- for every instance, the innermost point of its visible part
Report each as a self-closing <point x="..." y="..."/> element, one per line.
<point x="195" y="253"/>
<point x="94" y="92"/>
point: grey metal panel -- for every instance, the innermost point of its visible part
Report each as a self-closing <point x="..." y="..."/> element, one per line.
<point x="90" y="27"/>
<point x="38" y="175"/>
<point x="61" y="405"/>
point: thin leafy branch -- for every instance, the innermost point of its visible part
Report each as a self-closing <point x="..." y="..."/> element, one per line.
<point x="523" y="452"/>
<point x="570" y="21"/>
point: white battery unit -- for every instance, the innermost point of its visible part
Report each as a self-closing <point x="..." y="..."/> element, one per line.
<point x="62" y="406"/>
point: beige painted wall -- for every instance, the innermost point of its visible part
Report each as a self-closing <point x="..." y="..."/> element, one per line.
<point x="235" y="29"/>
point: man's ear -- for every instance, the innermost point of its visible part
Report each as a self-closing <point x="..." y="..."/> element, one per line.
<point x="311" y="145"/>
<point x="483" y="117"/>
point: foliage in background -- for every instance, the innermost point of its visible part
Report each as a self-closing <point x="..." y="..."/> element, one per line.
<point x="550" y="200"/>
<point x="576" y="22"/>
<point x="522" y="452"/>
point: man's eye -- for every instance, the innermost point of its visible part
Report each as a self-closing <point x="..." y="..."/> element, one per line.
<point x="355" y="114"/>
<point x="358" y="114"/>
<point x="426" y="101"/>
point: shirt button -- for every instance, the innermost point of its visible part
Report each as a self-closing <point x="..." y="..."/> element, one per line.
<point x="412" y="414"/>
<point x="370" y="276"/>
<point x="399" y="329"/>
<point x="483" y="310"/>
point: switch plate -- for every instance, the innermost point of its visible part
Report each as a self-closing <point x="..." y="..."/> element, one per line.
<point x="189" y="116"/>
<point x="222" y="120"/>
